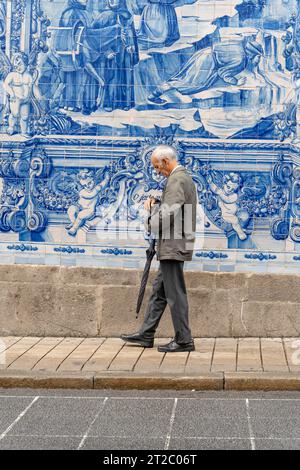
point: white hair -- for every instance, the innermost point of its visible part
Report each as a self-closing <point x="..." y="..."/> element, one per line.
<point x="165" y="151"/>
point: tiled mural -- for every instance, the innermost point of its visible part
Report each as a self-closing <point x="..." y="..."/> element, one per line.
<point x="89" y="87"/>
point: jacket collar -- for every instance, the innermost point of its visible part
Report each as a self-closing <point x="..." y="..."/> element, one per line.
<point x="178" y="168"/>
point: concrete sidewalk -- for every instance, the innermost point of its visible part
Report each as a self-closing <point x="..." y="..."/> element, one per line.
<point x="217" y="364"/>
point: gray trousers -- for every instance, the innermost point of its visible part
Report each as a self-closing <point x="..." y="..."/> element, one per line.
<point x="168" y="288"/>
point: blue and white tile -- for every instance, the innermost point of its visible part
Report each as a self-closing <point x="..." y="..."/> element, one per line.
<point x="232" y="125"/>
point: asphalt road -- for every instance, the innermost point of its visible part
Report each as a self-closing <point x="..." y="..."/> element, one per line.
<point x="158" y="420"/>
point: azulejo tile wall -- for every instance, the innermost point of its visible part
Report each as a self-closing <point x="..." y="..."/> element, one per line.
<point x="89" y="87"/>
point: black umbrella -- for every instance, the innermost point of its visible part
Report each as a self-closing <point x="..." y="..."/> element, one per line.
<point x="150" y="252"/>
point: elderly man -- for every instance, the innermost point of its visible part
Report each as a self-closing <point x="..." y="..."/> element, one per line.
<point x="174" y="223"/>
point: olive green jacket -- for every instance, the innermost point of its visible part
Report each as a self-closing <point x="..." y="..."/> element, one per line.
<point x="173" y="222"/>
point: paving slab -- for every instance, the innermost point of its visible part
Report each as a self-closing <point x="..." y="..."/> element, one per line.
<point x="7" y="341"/>
<point x="127" y="358"/>
<point x="249" y="354"/>
<point x="201" y="358"/>
<point x="80" y="356"/>
<point x="225" y="355"/>
<point x="273" y="355"/>
<point x="18" y="349"/>
<point x="30" y="358"/>
<point x="104" y="355"/>
<point x="292" y="351"/>
<point x="174" y="363"/>
<point x="52" y="360"/>
<point x="151" y="359"/>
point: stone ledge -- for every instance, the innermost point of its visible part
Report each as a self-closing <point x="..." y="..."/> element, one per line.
<point x="45" y="380"/>
<point x="159" y="381"/>
<point x="262" y="381"/>
<point x="129" y="381"/>
<point x="16" y="379"/>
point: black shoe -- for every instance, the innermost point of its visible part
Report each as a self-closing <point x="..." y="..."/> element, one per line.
<point x="139" y="339"/>
<point x="175" y="347"/>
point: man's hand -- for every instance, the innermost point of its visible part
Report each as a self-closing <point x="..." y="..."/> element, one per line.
<point x="149" y="203"/>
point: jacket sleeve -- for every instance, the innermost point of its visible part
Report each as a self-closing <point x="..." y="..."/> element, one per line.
<point x="174" y="199"/>
<point x="147" y="220"/>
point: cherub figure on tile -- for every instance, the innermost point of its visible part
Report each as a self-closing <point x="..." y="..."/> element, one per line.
<point x="85" y="209"/>
<point x="227" y="198"/>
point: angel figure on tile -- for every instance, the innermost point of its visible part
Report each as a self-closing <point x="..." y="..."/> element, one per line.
<point x="227" y="198"/>
<point x="85" y="209"/>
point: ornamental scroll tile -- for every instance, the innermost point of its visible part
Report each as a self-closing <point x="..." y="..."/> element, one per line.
<point x="40" y="167"/>
<point x="231" y="200"/>
<point x="109" y="194"/>
<point x="18" y="212"/>
<point x="287" y="123"/>
<point x="281" y="187"/>
<point x="295" y="206"/>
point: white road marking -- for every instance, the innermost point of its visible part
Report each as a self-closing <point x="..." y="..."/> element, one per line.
<point x="90" y="426"/>
<point x="18" y="418"/>
<point x="167" y="442"/>
<point x="252" y="439"/>
<point x="200" y="438"/>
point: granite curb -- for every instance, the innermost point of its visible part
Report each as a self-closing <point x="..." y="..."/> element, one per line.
<point x="207" y="381"/>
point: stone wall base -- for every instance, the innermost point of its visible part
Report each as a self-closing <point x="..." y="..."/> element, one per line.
<point x="76" y="301"/>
